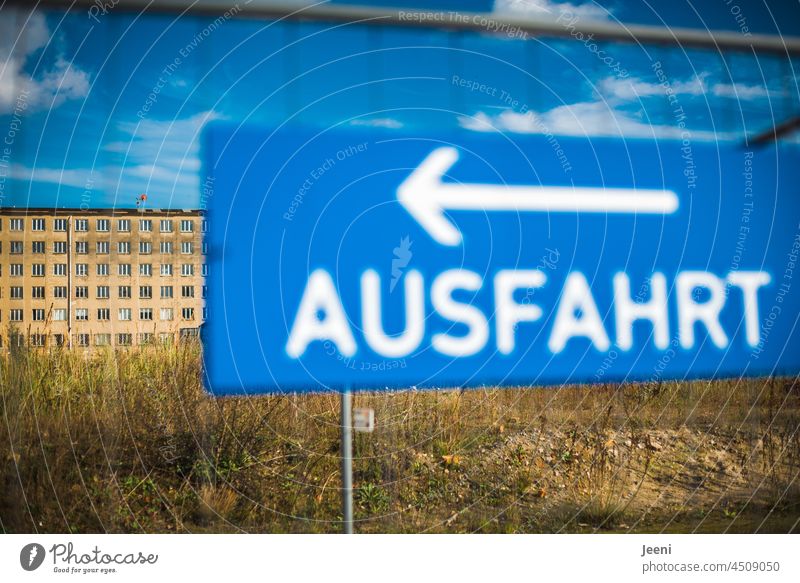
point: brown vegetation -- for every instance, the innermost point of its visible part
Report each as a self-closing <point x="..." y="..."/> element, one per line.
<point x="128" y="441"/>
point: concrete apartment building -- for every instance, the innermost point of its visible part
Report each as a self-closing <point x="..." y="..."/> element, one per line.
<point x="100" y="277"/>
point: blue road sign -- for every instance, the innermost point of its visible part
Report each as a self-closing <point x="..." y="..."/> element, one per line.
<point x="378" y="259"/>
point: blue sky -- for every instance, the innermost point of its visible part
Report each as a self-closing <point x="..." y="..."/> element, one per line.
<point x="95" y="111"/>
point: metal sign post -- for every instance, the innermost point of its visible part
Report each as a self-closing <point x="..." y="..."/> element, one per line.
<point x="347" y="462"/>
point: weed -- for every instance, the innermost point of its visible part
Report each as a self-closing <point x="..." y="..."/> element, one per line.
<point x="128" y="441"/>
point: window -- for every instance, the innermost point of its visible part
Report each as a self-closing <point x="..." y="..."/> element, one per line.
<point x="58" y="339"/>
<point x="145" y="269"/>
<point x="145" y="225"/>
<point x="81" y="314"/>
<point x="102" y="339"/>
<point x="81" y="247"/>
<point x="38" y="340"/>
<point x="101" y="226"/>
<point x="205" y="313"/>
<point x="204" y="248"/>
<point x="187" y="269"/>
<point x="82" y="292"/>
<point x="145" y="338"/>
<point x="124" y="339"/>
<point x="124" y="314"/>
<point x="145" y="313"/>
<point x="165" y="337"/>
<point x="16" y="247"/>
<point x="124" y="292"/>
<point x="37" y="247"/>
<point x="17" y="225"/>
<point x="59" y="315"/>
<point x="165" y="226"/>
<point x="59" y="225"/>
<point x="204" y="291"/>
<point x="166" y="247"/>
<point x="124" y="225"/>
<point x="82" y="225"/>
<point x="81" y="340"/>
<point x="37" y="292"/>
<point x="16" y="269"/>
<point x="37" y="270"/>
<point x="16" y="292"/>
<point x="102" y="292"/>
<point x="102" y="248"/>
<point x="124" y="269"/>
<point x="187" y="226"/>
<point x="59" y="269"/>
<point x="187" y="291"/>
<point x="166" y="292"/>
<point x="60" y="292"/>
<point x="166" y="314"/>
<point x="103" y="314"/>
<point x="38" y="314"/>
<point x="16" y="315"/>
<point x="204" y="226"/>
<point x="102" y="269"/>
<point x="145" y="292"/>
<point x="204" y="270"/>
<point x="145" y="247"/>
<point x="187" y="247"/>
<point x="124" y="247"/>
<point x="166" y="269"/>
<point x="81" y="269"/>
<point x="37" y="224"/>
<point x="187" y="313"/>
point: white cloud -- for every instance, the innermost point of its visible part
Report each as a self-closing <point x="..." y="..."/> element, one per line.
<point x="377" y="122"/>
<point x="21" y="35"/>
<point x="588" y="118"/>
<point x="169" y="175"/>
<point x="633" y="88"/>
<point x="160" y="157"/>
<point x="76" y="177"/>
<point x="743" y="92"/>
<point x="550" y="8"/>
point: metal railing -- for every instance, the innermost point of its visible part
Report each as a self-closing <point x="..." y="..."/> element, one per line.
<point x="546" y="27"/>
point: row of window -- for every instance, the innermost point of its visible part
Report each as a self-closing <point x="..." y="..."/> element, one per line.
<point x="104" y="225"/>
<point x="83" y="340"/>
<point x="102" y="269"/>
<point x="103" y="314"/>
<point x="102" y="247"/>
<point x="103" y="292"/>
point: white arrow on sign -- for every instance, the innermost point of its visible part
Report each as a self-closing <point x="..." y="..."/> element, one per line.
<point x="426" y="198"/>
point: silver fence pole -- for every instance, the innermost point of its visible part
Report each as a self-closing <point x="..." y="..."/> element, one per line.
<point x="347" y="461"/>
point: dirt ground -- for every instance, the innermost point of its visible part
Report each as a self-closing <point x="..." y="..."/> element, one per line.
<point x="676" y="480"/>
<point x="130" y="442"/>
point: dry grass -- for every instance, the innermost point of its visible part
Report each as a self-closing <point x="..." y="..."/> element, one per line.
<point x="127" y="441"/>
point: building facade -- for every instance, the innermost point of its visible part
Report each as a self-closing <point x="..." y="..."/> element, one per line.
<point x="100" y="277"/>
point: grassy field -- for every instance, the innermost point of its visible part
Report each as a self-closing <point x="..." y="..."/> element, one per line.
<point x="127" y="441"/>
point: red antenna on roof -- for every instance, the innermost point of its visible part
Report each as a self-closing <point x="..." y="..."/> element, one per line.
<point x="141" y="200"/>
